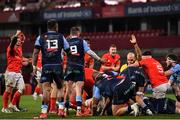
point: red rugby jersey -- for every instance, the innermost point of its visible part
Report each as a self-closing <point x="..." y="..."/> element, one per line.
<point x="14" y="63"/>
<point x="111" y="61"/>
<point x="154" y="70"/>
<point x="88" y="60"/>
<point x="89" y="81"/>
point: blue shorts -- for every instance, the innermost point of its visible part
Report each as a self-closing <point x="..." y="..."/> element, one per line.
<point x="161" y="106"/>
<point x="74" y="74"/>
<point x="96" y="92"/>
<point x="52" y="73"/>
<point x="122" y="93"/>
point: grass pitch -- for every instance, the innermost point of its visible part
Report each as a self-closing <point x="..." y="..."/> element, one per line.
<point x="34" y="110"/>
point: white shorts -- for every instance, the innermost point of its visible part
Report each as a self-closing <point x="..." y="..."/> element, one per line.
<point x="160" y="91"/>
<point x="88" y="102"/>
<point x="14" y="80"/>
<point x="38" y="75"/>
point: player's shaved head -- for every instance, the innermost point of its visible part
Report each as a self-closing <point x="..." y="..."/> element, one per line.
<point x="131" y="58"/>
<point x="52" y="24"/>
<point x="131" y="55"/>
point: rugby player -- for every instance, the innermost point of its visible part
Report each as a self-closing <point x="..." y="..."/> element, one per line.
<point x="174" y="73"/>
<point x="112" y="60"/>
<point x="153" y="69"/>
<point x="75" y="67"/>
<point x="37" y="90"/>
<point x="131" y="59"/>
<point x="120" y="91"/>
<point x="162" y="105"/>
<point x="13" y="76"/>
<point x="50" y="44"/>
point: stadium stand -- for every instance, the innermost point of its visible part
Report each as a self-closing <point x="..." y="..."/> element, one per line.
<point x="11" y="5"/>
<point x="160" y="36"/>
<point x="150" y="38"/>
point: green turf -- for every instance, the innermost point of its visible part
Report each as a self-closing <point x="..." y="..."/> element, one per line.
<point x="34" y="110"/>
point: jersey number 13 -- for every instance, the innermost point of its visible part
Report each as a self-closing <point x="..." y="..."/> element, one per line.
<point x="53" y="44"/>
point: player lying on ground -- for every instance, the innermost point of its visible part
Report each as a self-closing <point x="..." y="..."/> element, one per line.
<point x="163" y="105"/>
<point x="120" y="91"/>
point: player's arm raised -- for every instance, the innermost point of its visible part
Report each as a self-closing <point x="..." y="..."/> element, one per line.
<point x="137" y="49"/>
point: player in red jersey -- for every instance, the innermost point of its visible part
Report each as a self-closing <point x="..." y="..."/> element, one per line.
<point x="89" y="81"/>
<point x="153" y="69"/>
<point x="89" y="61"/>
<point x="13" y="77"/>
<point x="112" y="60"/>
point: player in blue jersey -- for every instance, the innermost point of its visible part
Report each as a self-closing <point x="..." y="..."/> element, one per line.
<point x="120" y="91"/>
<point x="102" y="87"/>
<point x="75" y="67"/>
<point x="174" y="73"/>
<point x="162" y="105"/>
<point x="50" y="44"/>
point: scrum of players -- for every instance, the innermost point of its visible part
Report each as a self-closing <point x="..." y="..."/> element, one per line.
<point x="63" y="68"/>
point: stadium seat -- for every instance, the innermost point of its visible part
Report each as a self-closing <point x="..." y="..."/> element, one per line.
<point x="176" y="51"/>
<point x="160" y="52"/>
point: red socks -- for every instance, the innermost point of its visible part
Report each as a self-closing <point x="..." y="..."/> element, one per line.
<point x="53" y="104"/>
<point x="5" y="99"/>
<point x="16" y="98"/>
<point x="37" y="89"/>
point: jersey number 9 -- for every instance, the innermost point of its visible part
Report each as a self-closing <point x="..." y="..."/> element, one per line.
<point x="73" y="49"/>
